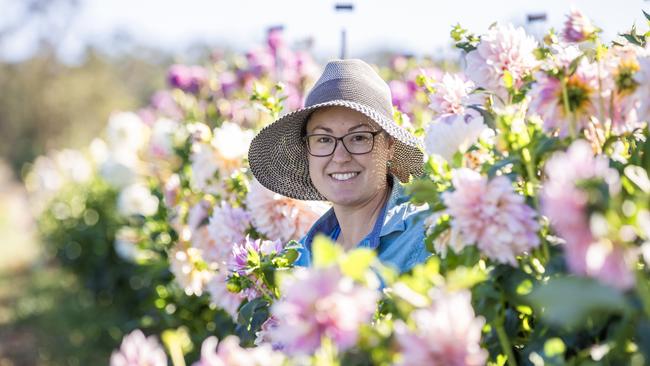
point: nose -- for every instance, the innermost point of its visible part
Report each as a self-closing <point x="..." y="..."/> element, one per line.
<point x="340" y="154"/>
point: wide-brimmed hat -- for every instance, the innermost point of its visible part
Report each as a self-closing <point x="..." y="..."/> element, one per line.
<point x="278" y="156"/>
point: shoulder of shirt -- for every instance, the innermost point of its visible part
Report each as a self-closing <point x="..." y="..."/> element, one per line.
<point x="402" y="214"/>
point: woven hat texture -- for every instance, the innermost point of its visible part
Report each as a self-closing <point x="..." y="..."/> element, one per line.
<point x="278" y="156"/>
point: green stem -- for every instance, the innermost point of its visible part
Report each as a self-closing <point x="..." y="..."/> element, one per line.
<point x="505" y="343"/>
<point x="264" y="291"/>
<point x="532" y="176"/>
<point x="567" y="108"/>
<point x="547" y="254"/>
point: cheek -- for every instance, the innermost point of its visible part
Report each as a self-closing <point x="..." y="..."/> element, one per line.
<point x="315" y="169"/>
<point x="375" y="166"/>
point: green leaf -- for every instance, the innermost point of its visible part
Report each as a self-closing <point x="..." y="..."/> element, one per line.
<point x="269" y="275"/>
<point x="444" y="223"/>
<point x="292" y="244"/>
<point x="457" y="32"/>
<point x="502" y="164"/>
<point x="423" y="191"/>
<point x="291" y="255"/>
<point x="357" y="262"/>
<point x="544" y="144"/>
<point x="250" y="318"/>
<point x="573" y="66"/>
<point x="570" y="301"/>
<point x="325" y="252"/>
<point x="647" y="16"/>
<point x="488" y="118"/>
<point x="465" y="278"/>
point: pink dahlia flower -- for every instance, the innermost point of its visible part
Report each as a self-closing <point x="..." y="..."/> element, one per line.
<point x="492" y="215"/>
<point x="320" y="303"/>
<point x="577" y="27"/>
<point x="452" y="96"/>
<point x="565" y="204"/>
<point x="502" y="48"/>
<point x="446" y="333"/>
<point x="622" y="63"/>
<point x="226" y="227"/>
<point x="228" y="352"/>
<point x="582" y="93"/>
<point x="138" y="350"/>
<point x="221" y="297"/>
<point x="279" y="217"/>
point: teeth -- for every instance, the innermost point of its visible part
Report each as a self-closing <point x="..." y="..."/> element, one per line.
<point x="343" y="176"/>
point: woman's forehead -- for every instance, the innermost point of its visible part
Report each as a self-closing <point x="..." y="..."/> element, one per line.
<point x="336" y="117"/>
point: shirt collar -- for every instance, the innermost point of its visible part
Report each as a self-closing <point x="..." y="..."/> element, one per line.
<point x="389" y="220"/>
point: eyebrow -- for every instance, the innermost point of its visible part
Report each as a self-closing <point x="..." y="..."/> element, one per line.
<point x="350" y="129"/>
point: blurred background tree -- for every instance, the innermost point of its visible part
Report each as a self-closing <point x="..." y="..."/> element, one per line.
<point x="46" y="103"/>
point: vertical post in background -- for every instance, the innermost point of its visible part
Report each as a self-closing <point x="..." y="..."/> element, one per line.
<point x="343" y="7"/>
<point x="536" y="24"/>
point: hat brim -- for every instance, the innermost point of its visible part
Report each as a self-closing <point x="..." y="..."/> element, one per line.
<point x="278" y="157"/>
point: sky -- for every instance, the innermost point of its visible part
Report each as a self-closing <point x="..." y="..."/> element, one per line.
<point x="409" y="26"/>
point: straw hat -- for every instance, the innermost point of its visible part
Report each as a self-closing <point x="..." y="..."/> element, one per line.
<point x="278" y="156"/>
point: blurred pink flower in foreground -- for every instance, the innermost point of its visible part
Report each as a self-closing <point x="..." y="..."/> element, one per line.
<point x="502" y="48"/>
<point x="447" y="333"/>
<point x="492" y="215"/>
<point x="138" y="350"/>
<point x="577" y="27"/>
<point x="320" y="303"/>
<point x="566" y="206"/>
<point x="229" y="353"/>
<point x="279" y="217"/>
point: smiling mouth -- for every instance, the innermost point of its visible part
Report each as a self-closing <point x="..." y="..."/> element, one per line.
<point x="344" y="176"/>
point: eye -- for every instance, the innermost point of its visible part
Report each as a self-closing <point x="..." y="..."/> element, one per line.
<point x="361" y="137"/>
<point x="324" y="139"/>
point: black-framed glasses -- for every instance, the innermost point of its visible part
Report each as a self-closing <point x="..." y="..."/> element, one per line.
<point x="356" y="143"/>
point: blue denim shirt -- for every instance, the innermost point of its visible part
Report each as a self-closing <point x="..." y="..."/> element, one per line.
<point x="397" y="236"/>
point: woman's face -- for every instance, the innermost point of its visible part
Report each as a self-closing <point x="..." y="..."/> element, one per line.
<point x="342" y="178"/>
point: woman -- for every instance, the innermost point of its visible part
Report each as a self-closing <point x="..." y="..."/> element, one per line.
<point x="345" y="148"/>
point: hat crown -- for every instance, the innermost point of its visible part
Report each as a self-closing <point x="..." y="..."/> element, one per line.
<point x="352" y="80"/>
